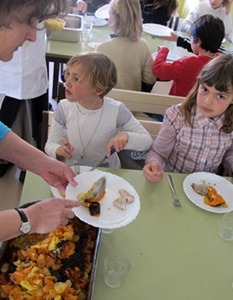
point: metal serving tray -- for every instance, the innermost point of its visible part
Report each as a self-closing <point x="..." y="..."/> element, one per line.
<point x="4" y="253"/>
<point x="71" y="32"/>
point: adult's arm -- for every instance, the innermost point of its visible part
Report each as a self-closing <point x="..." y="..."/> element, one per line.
<point x="44" y="216"/>
<point x="16" y="150"/>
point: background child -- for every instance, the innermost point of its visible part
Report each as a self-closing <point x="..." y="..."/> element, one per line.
<point x="207" y="34"/>
<point x="87" y="125"/>
<point x="157" y="11"/>
<point x="197" y="135"/>
<point x="217" y="8"/>
<point x="127" y="49"/>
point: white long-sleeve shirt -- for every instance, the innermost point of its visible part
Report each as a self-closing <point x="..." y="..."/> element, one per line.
<point x="96" y="128"/>
<point x="202" y="9"/>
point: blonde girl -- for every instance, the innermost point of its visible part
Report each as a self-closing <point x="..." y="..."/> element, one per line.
<point x="127" y="49"/>
<point x="88" y="124"/>
<point x="197" y="135"/>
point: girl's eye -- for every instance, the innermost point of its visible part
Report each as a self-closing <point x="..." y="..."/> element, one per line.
<point x="221" y="97"/>
<point x="203" y="89"/>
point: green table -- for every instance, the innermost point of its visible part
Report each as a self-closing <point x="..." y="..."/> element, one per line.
<point x="175" y="253"/>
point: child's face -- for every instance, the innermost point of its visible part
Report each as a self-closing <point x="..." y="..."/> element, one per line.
<point x="212" y="102"/>
<point x="215" y="3"/>
<point x="77" y="89"/>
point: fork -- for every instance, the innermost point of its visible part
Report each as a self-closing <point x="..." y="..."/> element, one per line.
<point x="176" y="201"/>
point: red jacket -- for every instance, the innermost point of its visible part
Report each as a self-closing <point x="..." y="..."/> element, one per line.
<point x="183" y="71"/>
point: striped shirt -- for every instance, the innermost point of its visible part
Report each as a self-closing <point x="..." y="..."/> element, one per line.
<point x="184" y="149"/>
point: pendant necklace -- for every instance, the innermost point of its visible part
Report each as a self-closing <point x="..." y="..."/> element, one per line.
<point x="79" y="131"/>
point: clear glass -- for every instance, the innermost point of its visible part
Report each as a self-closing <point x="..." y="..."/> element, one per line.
<point x="226" y="227"/>
<point x="116" y="268"/>
<point x="87" y="28"/>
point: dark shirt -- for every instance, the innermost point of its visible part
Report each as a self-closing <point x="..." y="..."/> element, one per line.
<point x="186" y="44"/>
<point x="157" y="16"/>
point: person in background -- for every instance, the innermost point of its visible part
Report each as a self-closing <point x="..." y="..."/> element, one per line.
<point x="18" y="23"/>
<point x="157" y="11"/>
<point x="207" y="34"/>
<point x="24" y="81"/>
<point x="89" y="6"/>
<point x="217" y="8"/>
<point x="87" y="125"/>
<point x="197" y="135"/>
<point x="127" y="49"/>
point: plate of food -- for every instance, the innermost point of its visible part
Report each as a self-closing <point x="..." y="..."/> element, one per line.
<point x="102" y="12"/>
<point x="118" y="205"/>
<point x="156" y="29"/>
<point x="209" y="191"/>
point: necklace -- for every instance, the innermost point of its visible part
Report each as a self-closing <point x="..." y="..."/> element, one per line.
<point x="79" y="131"/>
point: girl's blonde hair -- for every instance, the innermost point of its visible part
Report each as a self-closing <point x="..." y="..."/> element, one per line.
<point x="128" y="17"/>
<point x="218" y="73"/>
<point x="98" y="70"/>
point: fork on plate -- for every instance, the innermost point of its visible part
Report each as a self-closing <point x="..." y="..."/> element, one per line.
<point x="176" y="201"/>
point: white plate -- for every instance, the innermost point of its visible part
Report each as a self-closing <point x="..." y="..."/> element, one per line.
<point x="102" y="12"/>
<point x="110" y="216"/>
<point x="99" y="22"/>
<point x="156" y="29"/>
<point x="223" y="187"/>
<point x="55" y="191"/>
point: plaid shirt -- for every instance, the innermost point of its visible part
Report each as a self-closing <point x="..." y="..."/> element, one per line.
<point x="184" y="149"/>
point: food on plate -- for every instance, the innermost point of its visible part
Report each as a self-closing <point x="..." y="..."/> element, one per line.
<point x="50" y="266"/>
<point x="55" y="24"/>
<point x="211" y="196"/>
<point x="123" y="200"/>
<point x="92" y="196"/>
<point x="120" y="203"/>
<point x="201" y="189"/>
<point x="62" y="194"/>
<point x="124" y="194"/>
<point x="214" y="199"/>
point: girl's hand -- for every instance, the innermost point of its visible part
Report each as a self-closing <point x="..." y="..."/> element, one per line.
<point x="119" y="141"/>
<point x="153" y="171"/>
<point x="173" y="37"/>
<point x="228" y="7"/>
<point x="66" y="150"/>
<point x="81" y="5"/>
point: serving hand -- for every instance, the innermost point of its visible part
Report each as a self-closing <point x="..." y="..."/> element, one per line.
<point x="118" y="142"/>
<point x="153" y="171"/>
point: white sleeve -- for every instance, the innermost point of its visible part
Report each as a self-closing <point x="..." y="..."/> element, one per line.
<point x="228" y="27"/>
<point x="190" y="19"/>
<point x="56" y="132"/>
<point x="139" y="138"/>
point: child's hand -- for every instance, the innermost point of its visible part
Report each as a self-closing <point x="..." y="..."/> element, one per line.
<point x="66" y="150"/>
<point x="228" y="7"/>
<point x="173" y="37"/>
<point x="118" y="142"/>
<point x="153" y="171"/>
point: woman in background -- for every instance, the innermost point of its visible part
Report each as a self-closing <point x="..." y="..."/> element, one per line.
<point x="158" y="11"/>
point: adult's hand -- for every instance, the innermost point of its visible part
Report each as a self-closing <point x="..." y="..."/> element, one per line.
<point x="57" y="174"/>
<point x="46" y="215"/>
